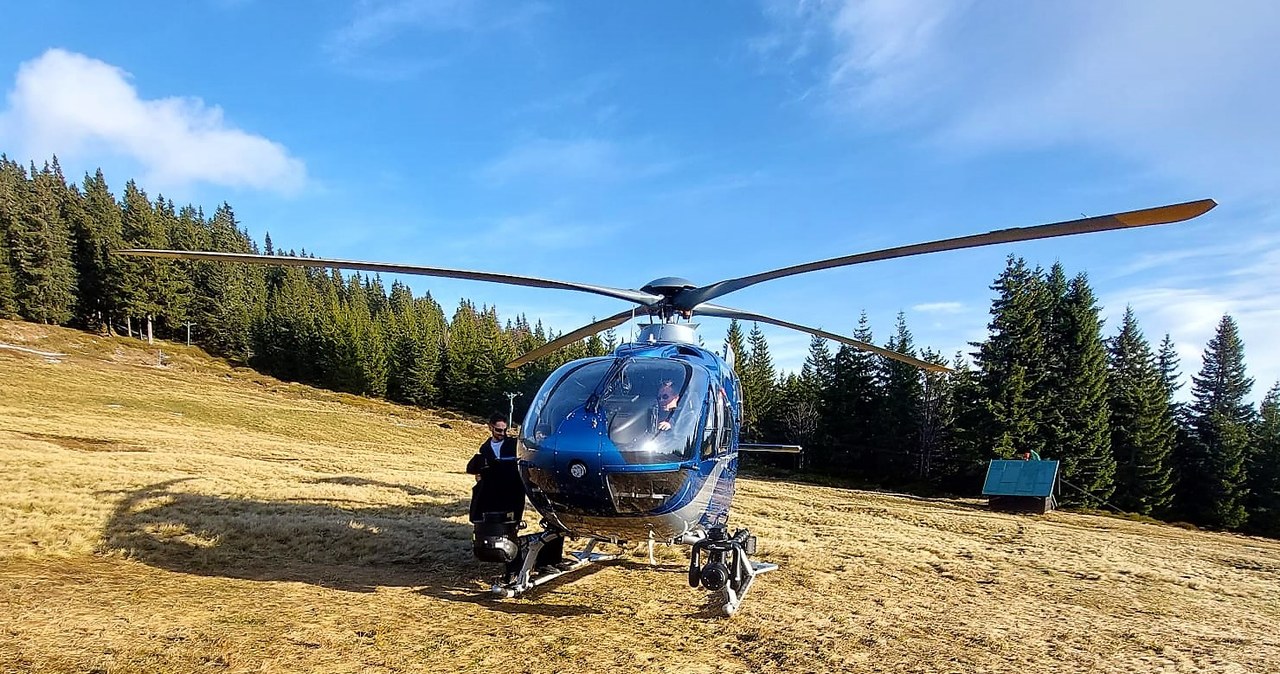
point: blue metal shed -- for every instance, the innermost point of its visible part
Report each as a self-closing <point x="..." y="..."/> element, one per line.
<point x="1023" y="486"/>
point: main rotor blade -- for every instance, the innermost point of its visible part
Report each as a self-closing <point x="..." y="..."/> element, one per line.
<point x="637" y="296"/>
<point x="565" y="340"/>
<point x="726" y="312"/>
<point x="1149" y="216"/>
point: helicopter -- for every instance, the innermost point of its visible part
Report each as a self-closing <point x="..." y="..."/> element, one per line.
<point x="642" y="444"/>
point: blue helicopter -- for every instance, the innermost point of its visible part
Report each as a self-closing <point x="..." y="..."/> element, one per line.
<point x="642" y="444"/>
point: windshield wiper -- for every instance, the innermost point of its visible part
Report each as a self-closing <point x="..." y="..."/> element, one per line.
<point x="593" y="401"/>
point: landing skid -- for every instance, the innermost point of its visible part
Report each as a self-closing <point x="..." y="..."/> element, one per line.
<point x="529" y="577"/>
<point x="729" y="570"/>
<point x="726" y="600"/>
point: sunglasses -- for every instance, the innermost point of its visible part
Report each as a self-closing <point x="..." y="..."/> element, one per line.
<point x="500" y="430"/>
<point x="665" y="397"/>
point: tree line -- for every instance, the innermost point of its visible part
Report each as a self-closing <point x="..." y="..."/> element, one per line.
<point x="1046" y="378"/>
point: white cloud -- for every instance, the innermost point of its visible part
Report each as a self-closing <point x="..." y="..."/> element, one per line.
<point x="1188" y="303"/>
<point x="378" y="22"/>
<point x="939" y="308"/>
<point x="78" y="107"/>
<point x="588" y="159"/>
<point x="1176" y="86"/>
<point x="532" y="233"/>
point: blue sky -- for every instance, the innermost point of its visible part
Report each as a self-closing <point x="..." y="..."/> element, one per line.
<point x="612" y="144"/>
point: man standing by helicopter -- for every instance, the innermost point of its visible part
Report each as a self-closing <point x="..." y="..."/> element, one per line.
<point x="498" y="488"/>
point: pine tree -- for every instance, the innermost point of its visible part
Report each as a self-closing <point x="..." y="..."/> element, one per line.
<point x="1167" y="362"/>
<point x="737" y="344"/>
<point x="12" y="181"/>
<point x="1142" y="436"/>
<point x="1182" y="463"/>
<point x="1050" y="395"/>
<point x="181" y="231"/>
<point x="97" y="233"/>
<point x="855" y="403"/>
<point x="44" y="278"/>
<point x="1084" y="441"/>
<point x="228" y="300"/>
<point x="467" y="373"/>
<point x="1213" y="488"/>
<point x="814" y="382"/>
<point x="1012" y="361"/>
<point x="903" y="405"/>
<point x="8" y="303"/>
<point x="143" y="279"/>
<point x="1264" y="468"/>
<point x="963" y="460"/>
<point x="758" y="383"/>
<point x="936" y="418"/>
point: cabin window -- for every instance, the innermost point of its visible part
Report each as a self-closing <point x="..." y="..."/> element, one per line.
<point x="715" y="424"/>
<point x="726" y="429"/>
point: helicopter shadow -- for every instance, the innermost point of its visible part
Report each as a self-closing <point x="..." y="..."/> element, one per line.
<point x="338" y="544"/>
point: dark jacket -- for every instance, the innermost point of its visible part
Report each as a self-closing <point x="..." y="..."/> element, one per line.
<point x="500" y="488"/>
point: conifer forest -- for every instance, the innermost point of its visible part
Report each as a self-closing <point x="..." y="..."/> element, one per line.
<point x="1047" y="377"/>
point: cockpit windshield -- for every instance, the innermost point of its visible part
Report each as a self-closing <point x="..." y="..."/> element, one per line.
<point x="651" y="407"/>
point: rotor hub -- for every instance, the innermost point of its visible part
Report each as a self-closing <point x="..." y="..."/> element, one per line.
<point x="668" y="286"/>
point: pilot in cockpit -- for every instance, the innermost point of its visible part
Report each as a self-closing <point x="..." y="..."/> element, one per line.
<point x="664" y="410"/>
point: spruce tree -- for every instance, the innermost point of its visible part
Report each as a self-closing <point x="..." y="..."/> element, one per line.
<point x="1011" y="362"/>
<point x="936" y="418"/>
<point x="97" y="234"/>
<point x="1142" y="436"/>
<point x="1053" y="379"/>
<point x="758" y="383"/>
<point x="467" y="372"/>
<point x="143" y="279"/>
<point x="228" y="299"/>
<point x="44" y="279"/>
<point x="855" y="403"/>
<point x="1264" y="468"/>
<point x="1084" y="442"/>
<point x="815" y="381"/>
<point x="963" y="459"/>
<point x="12" y="181"/>
<point x="8" y="302"/>
<point x="900" y="457"/>
<point x="1167" y="362"/>
<point x="1182" y="462"/>
<point x="737" y="344"/>
<point x="1213" y="487"/>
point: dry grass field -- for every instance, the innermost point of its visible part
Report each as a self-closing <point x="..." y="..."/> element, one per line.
<point x="192" y="517"/>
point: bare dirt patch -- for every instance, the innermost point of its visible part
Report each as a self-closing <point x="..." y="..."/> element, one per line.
<point x="204" y="518"/>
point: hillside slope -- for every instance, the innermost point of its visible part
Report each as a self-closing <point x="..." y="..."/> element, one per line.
<point x="195" y="517"/>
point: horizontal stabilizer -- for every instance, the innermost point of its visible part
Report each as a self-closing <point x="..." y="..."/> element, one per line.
<point x="777" y="449"/>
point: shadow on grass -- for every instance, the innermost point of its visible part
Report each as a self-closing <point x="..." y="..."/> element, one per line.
<point x="352" y="548"/>
<point x="352" y="481"/>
